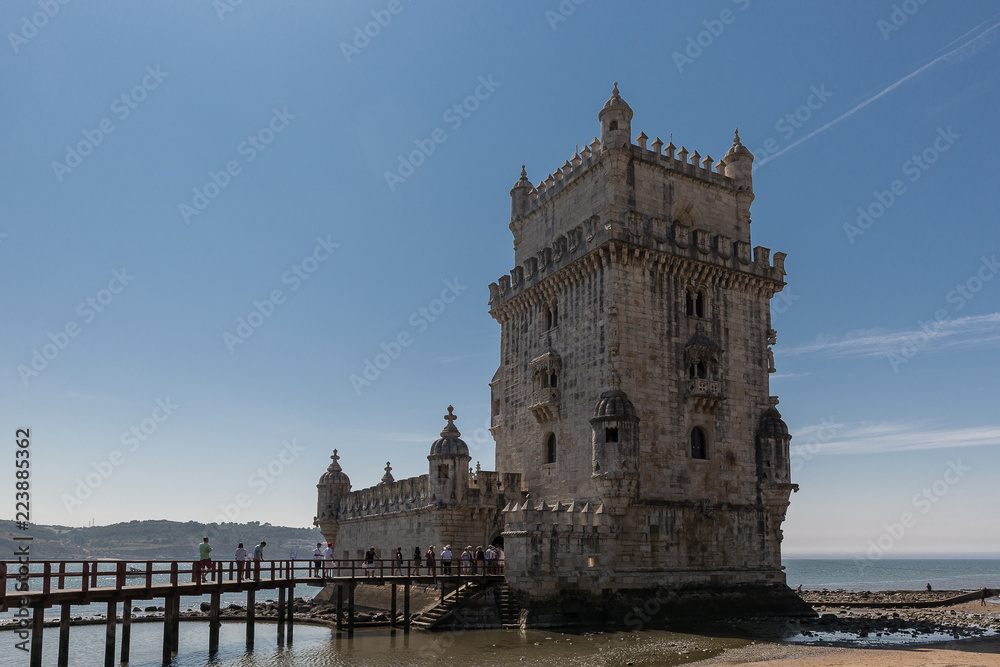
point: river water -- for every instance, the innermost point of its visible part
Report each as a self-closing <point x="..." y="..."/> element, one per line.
<point x="321" y="647"/>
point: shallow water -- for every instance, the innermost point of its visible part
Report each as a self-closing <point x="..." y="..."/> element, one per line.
<point x="322" y="647"/>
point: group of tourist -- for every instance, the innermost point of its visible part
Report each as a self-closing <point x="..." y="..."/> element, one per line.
<point x="472" y="561"/>
<point x="242" y="563"/>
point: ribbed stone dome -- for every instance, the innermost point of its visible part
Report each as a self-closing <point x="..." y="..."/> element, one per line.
<point x="737" y="150"/>
<point x="616" y="100"/>
<point x="450" y="443"/>
<point x="771" y="424"/>
<point x="334" y="474"/>
<point x="614" y="404"/>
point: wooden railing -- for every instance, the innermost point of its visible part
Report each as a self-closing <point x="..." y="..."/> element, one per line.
<point x="84" y="575"/>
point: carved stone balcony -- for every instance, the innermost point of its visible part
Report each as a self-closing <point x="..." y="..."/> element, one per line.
<point x="705" y="394"/>
<point x="544" y="404"/>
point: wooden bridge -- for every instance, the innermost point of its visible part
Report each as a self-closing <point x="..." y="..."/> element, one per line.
<point x="68" y="583"/>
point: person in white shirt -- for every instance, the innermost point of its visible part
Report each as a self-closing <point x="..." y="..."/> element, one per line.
<point x="241" y="561"/>
<point x="317" y="563"/>
<point x="328" y="556"/>
<point x="446" y="559"/>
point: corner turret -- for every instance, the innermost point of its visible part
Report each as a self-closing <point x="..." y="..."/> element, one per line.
<point x="449" y="464"/>
<point x="615" y="448"/>
<point x="333" y="486"/>
<point x="739" y="164"/>
<point x="616" y="122"/>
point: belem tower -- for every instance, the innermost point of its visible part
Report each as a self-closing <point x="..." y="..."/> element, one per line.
<point x="639" y="452"/>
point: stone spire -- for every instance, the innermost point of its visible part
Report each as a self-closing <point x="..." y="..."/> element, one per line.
<point x="387" y="478"/>
<point x="450" y="431"/>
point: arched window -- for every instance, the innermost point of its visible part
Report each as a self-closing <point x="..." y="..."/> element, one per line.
<point x="614" y="125"/>
<point x="550" y="448"/>
<point x="695" y="303"/>
<point x="553" y="380"/>
<point x="697" y="370"/>
<point x="611" y="434"/>
<point x="699" y="443"/>
<point x="551" y="315"/>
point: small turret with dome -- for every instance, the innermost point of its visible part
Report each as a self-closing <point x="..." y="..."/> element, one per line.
<point x="333" y="486"/>
<point x="520" y="196"/>
<point x="449" y="464"/>
<point x="616" y="122"/>
<point x="773" y="441"/>
<point x="739" y="163"/>
<point x="615" y="458"/>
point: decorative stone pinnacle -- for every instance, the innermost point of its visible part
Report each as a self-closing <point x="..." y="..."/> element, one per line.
<point x="615" y="91"/>
<point x="613" y="378"/>
<point x="736" y="138"/>
<point x="524" y="174"/>
<point x="387" y="478"/>
<point x="335" y="466"/>
<point x="450" y="431"/>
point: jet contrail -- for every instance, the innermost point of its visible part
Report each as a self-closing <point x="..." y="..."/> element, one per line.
<point x="881" y="93"/>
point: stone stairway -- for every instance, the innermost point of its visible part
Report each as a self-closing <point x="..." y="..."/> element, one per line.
<point x="440" y="613"/>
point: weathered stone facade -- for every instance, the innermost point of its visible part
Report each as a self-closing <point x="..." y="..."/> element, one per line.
<point x="639" y="445"/>
<point x="450" y="505"/>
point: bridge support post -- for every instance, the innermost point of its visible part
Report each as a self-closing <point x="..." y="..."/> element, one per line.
<point x="291" y="613"/>
<point x="37" y="627"/>
<point x="340" y="606"/>
<point x="63" y="660"/>
<point x="176" y="622"/>
<point x="350" y="610"/>
<point x="126" y="629"/>
<point x="251" y="612"/>
<point x="214" y="623"/>
<point x="406" y="608"/>
<point x="281" y="615"/>
<point x="168" y="629"/>
<point x="392" y="614"/>
<point x="109" y="634"/>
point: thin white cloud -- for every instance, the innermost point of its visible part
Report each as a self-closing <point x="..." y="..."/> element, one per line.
<point x="789" y="375"/>
<point x="964" y="331"/>
<point x="969" y="44"/>
<point x="885" y="437"/>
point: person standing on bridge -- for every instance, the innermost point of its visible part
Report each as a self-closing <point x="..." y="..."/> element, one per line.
<point x="328" y="559"/>
<point x="241" y="561"/>
<point x="429" y="557"/>
<point x="446" y="560"/>
<point x="397" y="563"/>
<point x="416" y="561"/>
<point x="204" y="562"/>
<point x="258" y="556"/>
<point x="317" y="563"/>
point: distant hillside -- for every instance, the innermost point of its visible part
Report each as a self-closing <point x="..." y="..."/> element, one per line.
<point x="148" y="540"/>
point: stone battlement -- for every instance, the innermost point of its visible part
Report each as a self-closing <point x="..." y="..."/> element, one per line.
<point x="655" y="234"/>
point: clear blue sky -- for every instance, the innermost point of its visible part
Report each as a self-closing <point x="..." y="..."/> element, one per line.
<point x="285" y="121"/>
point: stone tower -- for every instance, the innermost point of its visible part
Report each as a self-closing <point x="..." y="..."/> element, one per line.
<point x="632" y="393"/>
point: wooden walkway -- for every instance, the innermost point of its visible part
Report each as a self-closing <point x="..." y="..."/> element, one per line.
<point x="68" y="583"/>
